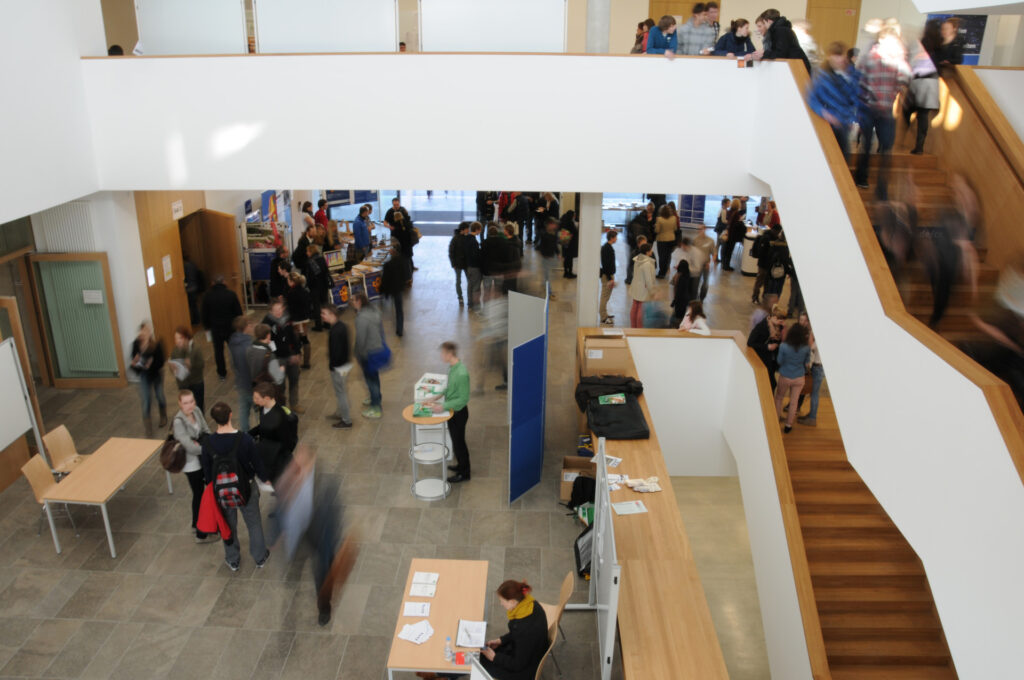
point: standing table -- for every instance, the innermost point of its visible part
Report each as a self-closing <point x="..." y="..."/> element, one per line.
<point x="428" y="453"/>
<point x="99" y="477"/>
<point x="748" y="265"/>
<point x="461" y="594"/>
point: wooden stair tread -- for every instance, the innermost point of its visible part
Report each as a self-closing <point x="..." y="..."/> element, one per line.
<point x="890" y="672"/>
<point x="927" y="652"/>
<point x="839" y="520"/>
<point x="856" y="568"/>
<point x="880" y="621"/>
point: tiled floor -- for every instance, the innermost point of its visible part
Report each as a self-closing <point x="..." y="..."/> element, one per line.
<point x="166" y="607"/>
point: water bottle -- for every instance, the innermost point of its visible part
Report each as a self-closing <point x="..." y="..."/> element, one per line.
<point x="449" y="653"/>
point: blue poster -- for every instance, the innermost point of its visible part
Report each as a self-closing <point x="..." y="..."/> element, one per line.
<point x="372" y="281"/>
<point x="526" y="441"/>
<point x="340" y="293"/>
<point x="259" y="264"/>
<point x="335" y="197"/>
<point x="972" y="30"/>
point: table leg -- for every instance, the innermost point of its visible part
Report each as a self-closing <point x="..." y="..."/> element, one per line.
<point x="106" y="525"/>
<point x="53" y="529"/>
<point x="170" y="487"/>
<point x="391" y="674"/>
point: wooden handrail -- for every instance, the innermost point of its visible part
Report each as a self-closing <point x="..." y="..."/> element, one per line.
<point x="993" y="118"/>
<point x="997" y="393"/>
<point x="784" y="486"/>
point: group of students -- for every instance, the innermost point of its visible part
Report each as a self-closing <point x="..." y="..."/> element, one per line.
<point x="793" y="354"/>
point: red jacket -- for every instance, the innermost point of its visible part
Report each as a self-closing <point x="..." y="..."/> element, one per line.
<point x="211" y="519"/>
<point x="320" y="217"/>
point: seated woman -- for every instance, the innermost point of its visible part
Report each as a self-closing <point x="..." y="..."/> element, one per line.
<point x="695" y="321"/>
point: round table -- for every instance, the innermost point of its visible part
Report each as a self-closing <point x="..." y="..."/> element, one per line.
<point x="748" y="266"/>
<point x="429" y="453"/>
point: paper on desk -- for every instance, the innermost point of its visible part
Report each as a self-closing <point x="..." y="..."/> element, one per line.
<point x="417" y="633"/>
<point x="611" y="460"/>
<point x="614" y="487"/>
<point x="416" y="609"/>
<point x="422" y="590"/>
<point x="426" y="577"/>
<point x="616" y="479"/>
<point x="471" y="633"/>
<point x="629" y="508"/>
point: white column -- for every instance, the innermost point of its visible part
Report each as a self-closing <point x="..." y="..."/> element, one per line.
<point x="599" y="14"/>
<point x="588" y="264"/>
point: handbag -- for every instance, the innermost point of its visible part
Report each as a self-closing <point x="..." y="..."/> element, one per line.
<point x="808" y="383"/>
<point x="379" y="359"/>
<point x="778" y="271"/>
<point x="172" y="455"/>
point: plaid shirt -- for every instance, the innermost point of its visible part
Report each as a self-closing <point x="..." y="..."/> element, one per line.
<point x="693" y="39"/>
<point x="882" y="79"/>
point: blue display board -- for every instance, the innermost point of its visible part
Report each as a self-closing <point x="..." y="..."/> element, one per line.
<point x="259" y="264"/>
<point x="972" y="30"/>
<point x="340" y="293"/>
<point x="526" y="442"/>
<point x="372" y="281"/>
<point x="350" y="197"/>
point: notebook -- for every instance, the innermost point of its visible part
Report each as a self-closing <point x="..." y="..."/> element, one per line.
<point x="471" y="634"/>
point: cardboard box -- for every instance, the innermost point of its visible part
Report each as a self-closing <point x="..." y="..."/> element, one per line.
<point x="605" y="355"/>
<point x="573" y="466"/>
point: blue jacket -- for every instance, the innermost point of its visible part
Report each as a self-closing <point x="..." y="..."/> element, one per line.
<point x="836" y="93"/>
<point x="730" y="44"/>
<point x="657" y="43"/>
<point x="361" y="232"/>
<point x="793" y="362"/>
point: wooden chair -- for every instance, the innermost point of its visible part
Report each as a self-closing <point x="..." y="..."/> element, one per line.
<point x="40" y="478"/>
<point x="63" y="455"/>
<point x="553" y="612"/>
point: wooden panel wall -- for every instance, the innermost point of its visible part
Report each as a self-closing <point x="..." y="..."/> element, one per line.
<point x="158" y="231"/>
<point x="11" y="460"/>
<point x="833" y="20"/>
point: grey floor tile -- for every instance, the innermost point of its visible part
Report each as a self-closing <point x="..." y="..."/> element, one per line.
<point x="80" y="649"/>
<point x="234" y="603"/>
<point x="365" y="657"/>
<point x="314" y="656"/>
<point x="40" y="648"/>
<point x="240" y="654"/>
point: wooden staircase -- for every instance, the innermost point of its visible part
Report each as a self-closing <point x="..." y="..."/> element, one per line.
<point x="877" y="616"/>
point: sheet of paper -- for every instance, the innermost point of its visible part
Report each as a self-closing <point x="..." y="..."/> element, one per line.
<point x="612" y="331"/>
<point x="471" y="633"/>
<point x="614" y="487"/>
<point x="569" y="476"/>
<point x="617" y="479"/>
<point x="422" y="590"/>
<point x="416" y="609"/>
<point x="427" y="577"/>
<point x="629" y="508"/>
<point x="611" y="460"/>
<point x="417" y="633"/>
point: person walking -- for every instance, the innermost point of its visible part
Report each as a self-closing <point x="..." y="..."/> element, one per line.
<point x="885" y="74"/>
<point x="394" y="277"/>
<point x="607" y="276"/>
<point x="298" y="300"/>
<point x="923" y="97"/>
<point x="147" y="363"/>
<point x="834" y="94"/>
<point x="471" y="252"/>
<point x="320" y="283"/>
<point x="238" y="346"/>
<point x="276" y="432"/>
<point x="706" y="253"/>
<point x="642" y="287"/>
<point x="457" y="259"/>
<point x="187" y="363"/>
<point x="220" y="308"/>
<point x="495" y="257"/>
<point x="371" y="351"/>
<point x="225" y="452"/>
<point x="793" y="358"/>
<point x="570" y="244"/>
<point x="456" y="401"/>
<point x="339" y="362"/>
<point x="665" y="237"/>
<point x="547" y="246"/>
<point x="189" y="428"/>
<point x="287" y="348"/>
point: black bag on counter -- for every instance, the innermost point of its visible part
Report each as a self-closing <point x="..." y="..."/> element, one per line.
<point x="595" y="386"/>
<point x="617" y="421"/>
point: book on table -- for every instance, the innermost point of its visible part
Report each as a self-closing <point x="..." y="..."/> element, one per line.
<point x="471" y="634"/>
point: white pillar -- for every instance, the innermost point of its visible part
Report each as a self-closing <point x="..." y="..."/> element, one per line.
<point x="599" y="16"/>
<point x="588" y="264"/>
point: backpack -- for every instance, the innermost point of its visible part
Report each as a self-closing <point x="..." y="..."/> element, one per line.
<point x="583" y="490"/>
<point x="757" y="249"/>
<point x="231" y="488"/>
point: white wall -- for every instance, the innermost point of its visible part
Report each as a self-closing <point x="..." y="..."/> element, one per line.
<point x="191" y="27"/>
<point x="232" y="202"/>
<point x="198" y="146"/>
<point x="46" y="146"/>
<point x="492" y="26"/>
<point x="318" y="26"/>
<point x="969" y="7"/>
<point x="919" y="433"/>
<point x="624" y="16"/>
<point x="1007" y="89"/>
<point x="685" y="394"/>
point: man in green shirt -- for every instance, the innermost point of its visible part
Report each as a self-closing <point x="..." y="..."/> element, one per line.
<point x="456" y="400"/>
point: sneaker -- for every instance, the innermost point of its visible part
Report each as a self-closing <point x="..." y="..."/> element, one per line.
<point x="263" y="562"/>
<point x="233" y="566"/>
<point x="208" y="538"/>
<point x="607" y="321"/>
<point x="324" y="615"/>
<point x="367" y="401"/>
<point x="342" y="424"/>
<point x="372" y="412"/>
<point x="809" y="422"/>
<point x="863" y="185"/>
<point x="787" y="429"/>
<point x="503" y="387"/>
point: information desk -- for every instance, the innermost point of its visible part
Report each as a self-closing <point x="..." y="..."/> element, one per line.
<point x="461" y="594"/>
<point x="99" y="477"/>
<point x="665" y="627"/>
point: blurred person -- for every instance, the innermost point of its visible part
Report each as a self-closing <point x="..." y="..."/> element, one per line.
<point x="642" y="225"/>
<point x="238" y="346"/>
<point x="485" y="202"/>
<point x="947" y="250"/>
<point x="471" y="251"/>
<point x="721" y="224"/>
<point x="189" y="429"/>
<point x="885" y="74"/>
<point x="298" y="301"/>
<point x="276" y="431"/>
<point x="735" y="233"/>
<point x="1001" y="349"/>
<point x="320" y="217"/>
<point x="514" y="254"/>
<point x="640" y="44"/>
<point x="696" y="36"/>
<point x="264" y="365"/>
<point x="518" y="211"/>
<point x="361" y="233"/>
<point x="834" y="94"/>
<point x="320" y="283"/>
<point x="607" y="276"/>
<point x="762" y="250"/>
<point x="370" y="351"/>
<point x="547" y="246"/>
<point x="706" y="254"/>
<point x="402" y="48"/>
<point x="640" y="240"/>
<point x="680" y="290"/>
<point x="695" y="321"/>
<point x="339" y="362"/>
<point x="780" y="42"/>
<point x="654" y="314"/>
<point x="793" y="357"/>
<point x="736" y="41"/>
<point x="765" y="338"/>
<point x="394" y="279"/>
<point x="712" y="12"/>
<point x="950" y="51"/>
<point x="193" y="287"/>
<point x="398" y="220"/>
<point x="665" y="236"/>
<point x="568" y="240"/>
<point x="763" y="310"/>
<point x="228" y="453"/>
<point x="280" y="267"/>
<point x="780" y="265"/>
<point x="187" y="364"/>
<point x="220" y="307"/>
<point x="922" y="98"/>
<point x="662" y="39"/>
<point x="802" y="30"/>
<point x="457" y="259"/>
<point x="287" y="348"/>
<point x="546" y="206"/>
<point x="817" y="374"/>
<point x="642" y="286"/>
<point x="496" y="257"/>
<point x="147" y="363"/>
<point x="492" y="341"/>
<point x="455" y="400"/>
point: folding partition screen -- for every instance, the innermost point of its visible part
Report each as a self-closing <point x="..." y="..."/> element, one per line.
<point x="527" y="377"/>
<point x="191" y="26"/>
<point x="492" y="26"/>
<point x="326" y="25"/>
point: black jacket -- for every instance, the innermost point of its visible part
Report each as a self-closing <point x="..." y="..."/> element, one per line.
<point x="497" y="256"/>
<point x="339" y="349"/>
<point x="759" y="339"/>
<point x="568" y="222"/>
<point x="486" y="211"/>
<point x="394" y="275"/>
<point x="608" y="260"/>
<point x="220" y="307"/>
<point x="320" y="280"/>
<point x="152" y="359"/>
<point x="471" y="251"/>
<point x="521" y="649"/>
<point x="640" y="226"/>
<point x="300" y="257"/>
<point x="299" y="303"/>
<point x="284" y="337"/>
<point x="519" y="209"/>
<point x="276" y="436"/>
<point x="249" y="462"/>
<point x="278" y="283"/>
<point x="783" y="43"/>
<point x="457" y="251"/>
<point x="547" y="243"/>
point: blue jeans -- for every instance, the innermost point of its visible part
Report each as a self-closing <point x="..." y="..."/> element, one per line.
<point x="817" y="377"/>
<point x="244" y="408"/>
<point x="154" y="383"/>
<point x="372" y="379"/>
<point x="884" y="125"/>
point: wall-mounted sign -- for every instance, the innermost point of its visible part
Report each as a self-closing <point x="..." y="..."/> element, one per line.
<point x="972" y="30"/>
<point x="167" y="267"/>
<point x="177" y="210"/>
<point x="150" y="276"/>
<point x="92" y="297"/>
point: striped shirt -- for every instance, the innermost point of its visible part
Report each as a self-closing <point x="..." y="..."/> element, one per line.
<point x="693" y="39"/>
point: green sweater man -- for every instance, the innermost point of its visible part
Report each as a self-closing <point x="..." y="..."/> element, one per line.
<point x="456" y="400"/>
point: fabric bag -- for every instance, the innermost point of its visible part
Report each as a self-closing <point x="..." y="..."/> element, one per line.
<point x="778" y="271"/>
<point x="808" y="383"/>
<point x="231" y="487"/>
<point x="172" y="454"/>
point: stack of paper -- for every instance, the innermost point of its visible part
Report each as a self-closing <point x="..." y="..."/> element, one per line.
<point x="629" y="508"/>
<point x="424" y="584"/>
<point x="416" y="609"/>
<point x="471" y="634"/>
<point x="417" y="633"/>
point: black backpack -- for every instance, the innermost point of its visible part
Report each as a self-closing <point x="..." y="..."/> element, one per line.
<point x="583" y="490"/>
<point x="231" y="486"/>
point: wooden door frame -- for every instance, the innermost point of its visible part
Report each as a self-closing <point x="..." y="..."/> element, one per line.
<point x="237" y="256"/>
<point x="77" y="383"/>
<point x="10" y="303"/>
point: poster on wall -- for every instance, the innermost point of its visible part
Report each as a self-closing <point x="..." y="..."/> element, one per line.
<point x="350" y="197"/>
<point x="972" y="31"/>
